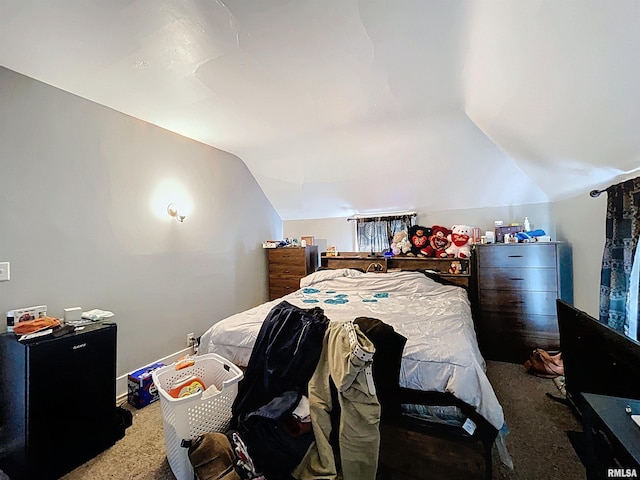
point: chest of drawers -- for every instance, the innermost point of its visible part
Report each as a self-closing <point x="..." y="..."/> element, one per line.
<point x="287" y="266"/>
<point x="517" y="286"/>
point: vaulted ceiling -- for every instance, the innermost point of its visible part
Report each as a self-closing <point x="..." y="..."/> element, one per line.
<point x="345" y="106"/>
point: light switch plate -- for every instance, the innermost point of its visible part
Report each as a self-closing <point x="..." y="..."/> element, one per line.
<point x="5" y="271"/>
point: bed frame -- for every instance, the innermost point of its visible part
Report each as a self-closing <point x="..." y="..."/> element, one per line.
<point x="445" y="451"/>
<point x="597" y="359"/>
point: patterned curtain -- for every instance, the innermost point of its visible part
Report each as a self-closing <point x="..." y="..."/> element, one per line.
<point x="622" y="230"/>
<point x="375" y="234"/>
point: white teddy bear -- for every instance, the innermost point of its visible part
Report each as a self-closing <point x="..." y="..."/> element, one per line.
<point x="401" y="244"/>
<point x="460" y="238"/>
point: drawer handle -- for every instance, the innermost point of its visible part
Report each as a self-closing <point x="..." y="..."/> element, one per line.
<point x="286" y="271"/>
<point x="515" y="256"/>
<point x="516" y="279"/>
<point x="516" y="302"/>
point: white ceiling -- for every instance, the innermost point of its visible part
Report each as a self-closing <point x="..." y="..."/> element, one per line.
<point x="346" y="106"/>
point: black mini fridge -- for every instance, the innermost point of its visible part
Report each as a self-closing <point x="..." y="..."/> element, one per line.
<point x="57" y="401"/>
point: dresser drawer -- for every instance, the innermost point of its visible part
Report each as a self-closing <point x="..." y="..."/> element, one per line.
<point x="509" y="301"/>
<point x="289" y="268"/>
<point x="512" y="338"/>
<point x="521" y="323"/>
<point x="509" y="278"/>
<point x="525" y="255"/>
<point x="286" y="255"/>
<point x="280" y="285"/>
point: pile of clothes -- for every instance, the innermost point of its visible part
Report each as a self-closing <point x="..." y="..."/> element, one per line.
<point x="310" y="401"/>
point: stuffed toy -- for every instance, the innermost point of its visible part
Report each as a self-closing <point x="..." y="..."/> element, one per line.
<point x="419" y="239"/>
<point x="401" y="243"/>
<point x="438" y="242"/>
<point x="456" y="267"/>
<point x="460" y="238"/>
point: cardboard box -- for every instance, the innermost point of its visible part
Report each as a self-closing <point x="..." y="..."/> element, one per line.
<point x="18" y="315"/>
<point x="331" y="252"/>
<point x="140" y="388"/>
<point x="510" y="229"/>
<point x="310" y="239"/>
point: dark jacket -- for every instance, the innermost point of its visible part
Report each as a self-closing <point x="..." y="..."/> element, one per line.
<point x="284" y="357"/>
<point x="386" y="361"/>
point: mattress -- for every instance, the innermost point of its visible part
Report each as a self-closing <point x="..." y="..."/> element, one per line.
<point x="441" y="353"/>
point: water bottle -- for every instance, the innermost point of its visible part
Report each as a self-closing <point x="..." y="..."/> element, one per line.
<point x="527" y="225"/>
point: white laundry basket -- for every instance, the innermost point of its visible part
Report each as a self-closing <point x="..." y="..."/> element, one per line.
<point x="186" y="418"/>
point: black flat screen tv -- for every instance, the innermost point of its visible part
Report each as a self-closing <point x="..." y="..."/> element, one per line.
<point x="597" y="359"/>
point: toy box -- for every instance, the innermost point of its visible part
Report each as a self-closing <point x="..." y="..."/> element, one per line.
<point x="140" y="388"/>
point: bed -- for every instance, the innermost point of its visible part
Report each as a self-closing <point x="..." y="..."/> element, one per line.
<point x="442" y="375"/>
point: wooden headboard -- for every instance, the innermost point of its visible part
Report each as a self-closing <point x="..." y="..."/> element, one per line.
<point x="381" y="264"/>
<point x="597" y="359"/>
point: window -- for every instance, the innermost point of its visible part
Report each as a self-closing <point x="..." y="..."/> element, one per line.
<point x="375" y="234"/>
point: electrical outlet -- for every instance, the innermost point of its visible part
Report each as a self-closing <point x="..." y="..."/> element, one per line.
<point x="5" y="272"/>
<point x="191" y="339"/>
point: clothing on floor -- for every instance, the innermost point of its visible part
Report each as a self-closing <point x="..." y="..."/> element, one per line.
<point x="346" y="359"/>
<point x="273" y="448"/>
<point x="283" y="358"/>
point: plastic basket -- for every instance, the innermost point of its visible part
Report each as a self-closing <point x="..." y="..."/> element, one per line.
<point x="186" y="418"/>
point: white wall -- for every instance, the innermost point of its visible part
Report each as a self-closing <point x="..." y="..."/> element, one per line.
<point x="581" y="221"/>
<point x="339" y="232"/>
<point x="83" y="196"/>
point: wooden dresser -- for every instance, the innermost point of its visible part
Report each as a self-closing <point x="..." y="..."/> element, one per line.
<point x="516" y="290"/>
<point x="287" y="266"/>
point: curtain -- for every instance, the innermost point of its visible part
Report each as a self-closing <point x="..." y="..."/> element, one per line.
<point x="375" y="234"/>
<point x="617" y="297"/>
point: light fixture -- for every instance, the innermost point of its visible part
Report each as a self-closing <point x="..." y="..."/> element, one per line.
<point x="172" y="210"/>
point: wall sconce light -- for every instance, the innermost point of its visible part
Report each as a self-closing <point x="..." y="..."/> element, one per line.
<point x="172" y="210"/>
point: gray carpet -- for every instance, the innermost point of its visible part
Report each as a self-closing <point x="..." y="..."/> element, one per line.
<point x="539" y="427"/>
<point x="538" y="442"/>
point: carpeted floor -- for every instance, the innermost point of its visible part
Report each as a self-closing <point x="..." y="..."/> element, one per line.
<point x="539" y="427"/>
<point x="539" y="440"/>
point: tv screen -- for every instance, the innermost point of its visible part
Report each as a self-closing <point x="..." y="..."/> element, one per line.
<point x="597" y="359"/>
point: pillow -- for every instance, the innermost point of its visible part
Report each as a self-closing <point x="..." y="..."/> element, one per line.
<point x="322" y="275"/>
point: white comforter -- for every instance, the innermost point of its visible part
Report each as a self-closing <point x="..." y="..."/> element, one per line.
<point x="441" y="353"/>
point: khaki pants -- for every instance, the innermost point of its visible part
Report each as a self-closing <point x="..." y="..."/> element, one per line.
<point x="359" y="433"/>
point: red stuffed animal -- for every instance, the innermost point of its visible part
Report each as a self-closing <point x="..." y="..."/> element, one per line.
<point x="438" y="242"/>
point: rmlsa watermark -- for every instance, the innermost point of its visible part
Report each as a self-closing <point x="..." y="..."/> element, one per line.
<point x="622" y="473"/>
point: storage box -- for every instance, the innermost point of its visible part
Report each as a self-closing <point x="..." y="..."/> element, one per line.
<point x="18" y="315"/>
<point x="331" y="252"/>
<point x="190" y="416"/>
<point x="510" y="229"/>
<point x="141" y="390"/>
<point x="310" y="239"/>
